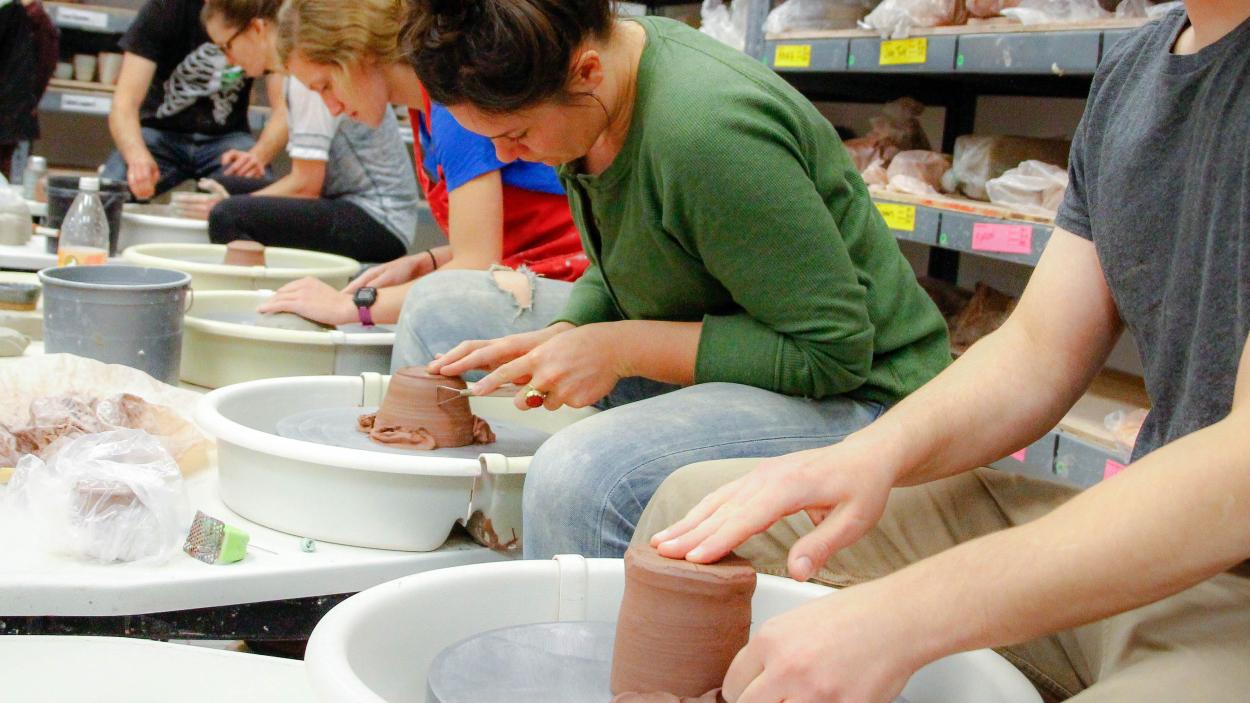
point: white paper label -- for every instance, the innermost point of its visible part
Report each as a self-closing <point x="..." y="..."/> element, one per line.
<point x="82" y="18"/>
<point x="86" y="103"/>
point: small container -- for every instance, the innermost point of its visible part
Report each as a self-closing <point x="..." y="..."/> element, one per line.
<point x="84" y="236"/>
<point x="33" y="183"/>
<point x="84" y="67"/>
<point x="64" y="71"/>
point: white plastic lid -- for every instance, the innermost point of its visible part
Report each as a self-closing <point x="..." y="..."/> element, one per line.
<point x="89" y="183"/>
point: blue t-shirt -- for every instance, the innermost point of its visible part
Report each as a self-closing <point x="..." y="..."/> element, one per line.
<point x="465" y="156"/>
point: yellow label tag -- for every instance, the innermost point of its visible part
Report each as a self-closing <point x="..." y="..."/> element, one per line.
<point x="898" y="217"/>
<point x="904" y="51"/>
<point x="793" y="56"/>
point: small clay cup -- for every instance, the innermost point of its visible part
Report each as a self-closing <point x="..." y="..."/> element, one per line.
<point x="411" y="402"/>
<point x="680" y="624"/>
<point x="244" y="252"/>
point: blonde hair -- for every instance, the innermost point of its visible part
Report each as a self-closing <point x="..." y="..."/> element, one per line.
<point x="342" y="33"/>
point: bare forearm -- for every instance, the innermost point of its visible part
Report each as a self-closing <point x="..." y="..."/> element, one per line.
<point x="390" y="303"/>
<point x="661" y="351"/>
<point x="1004" y="393"/>
<point x="1171" y="520"/>
<point x="272" y="139"/>
<point x="127" y="132"/>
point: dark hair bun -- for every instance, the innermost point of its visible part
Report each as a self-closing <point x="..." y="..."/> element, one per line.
<point x="500" y="55"/>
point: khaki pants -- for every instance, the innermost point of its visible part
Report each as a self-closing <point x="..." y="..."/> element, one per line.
<point x="1194" y="646"/>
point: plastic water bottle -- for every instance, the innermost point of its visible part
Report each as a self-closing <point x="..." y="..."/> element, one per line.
<point x="84" y="238"/>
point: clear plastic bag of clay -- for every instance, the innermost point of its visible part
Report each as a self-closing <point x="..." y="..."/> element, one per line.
<point x="112" y="496"/>
<point x="806" y="15"/>
<point x="1124" y="427"/>
<point x="1050" y="11"/>
<point x="989" y="8"/>
<point x="894" y="19"/>
<point x="1033" y="187"/>
<point x="727" y="23"/>
<point x="1144" y="8"/>
<point x="918" y="172"/>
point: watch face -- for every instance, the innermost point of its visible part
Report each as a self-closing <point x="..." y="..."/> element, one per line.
<point x="365" y="297"/>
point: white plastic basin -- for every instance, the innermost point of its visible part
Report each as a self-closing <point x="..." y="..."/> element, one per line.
<point x="148" y="228"/>
<point x="282" y="265"/>
<point x="120" y="670"/>
<point x="377" y="645"/>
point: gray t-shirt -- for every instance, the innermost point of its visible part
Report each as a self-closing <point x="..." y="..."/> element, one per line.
<point x="369" y="168"/>
<point x="1160" y="182"/>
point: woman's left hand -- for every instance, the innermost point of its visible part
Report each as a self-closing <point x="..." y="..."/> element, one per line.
<point x="854" y="646"/>
<point x="315" y="300"/>
<point x="575" y="368"/>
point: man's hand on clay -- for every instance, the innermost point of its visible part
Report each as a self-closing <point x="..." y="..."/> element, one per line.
<point x="842" y="487"/>
<point x="313" y="299"/>
<point x="393" y="273"/>
<point x="853" y="646"/>
<point x="142" y="175"/>
<point x="242" y="163"/>
<point x="490" y="354"/>
<point x="576" y="368"/>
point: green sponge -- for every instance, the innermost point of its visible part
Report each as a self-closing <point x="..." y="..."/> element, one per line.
<point x="214" y="542"/>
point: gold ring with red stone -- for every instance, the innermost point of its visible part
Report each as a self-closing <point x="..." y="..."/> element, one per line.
<point x="534" y="398"/>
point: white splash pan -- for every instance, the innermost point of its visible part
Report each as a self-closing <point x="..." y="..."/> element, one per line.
<point x="217" y="353"/>
<point x="28" y="322"/>
<point x="124" y="670"/>
<point x="358" y="497"/>
<point x="377" y="645"/>
<point x="140" y="226"/>
<point x="282" y="266"/>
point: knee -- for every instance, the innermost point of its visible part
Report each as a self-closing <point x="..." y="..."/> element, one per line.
<point x="224" y="223"/>
<point x="561" y="473"/>
<point x="684" y="489"/>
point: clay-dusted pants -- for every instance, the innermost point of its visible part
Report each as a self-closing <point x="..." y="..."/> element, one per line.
<point x="1194" y="646"/>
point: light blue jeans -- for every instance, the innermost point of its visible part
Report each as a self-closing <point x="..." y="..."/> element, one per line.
<point x="588" y="485"/>
<point x="445" y="308"/>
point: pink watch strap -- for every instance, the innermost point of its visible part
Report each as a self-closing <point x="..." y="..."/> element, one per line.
<point x="366" y="317"/>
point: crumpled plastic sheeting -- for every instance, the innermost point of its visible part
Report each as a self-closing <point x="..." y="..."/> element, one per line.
<point x="726" y="23"/>
<point x="1034" y="187"/>
<point x="807" y="15"/>
<point x="1052" y="11"/>
<point x="112" y="496"/>
<point x="69" y="396"/>
<point x="917" y="172"/>
<point x="894" y="19"/>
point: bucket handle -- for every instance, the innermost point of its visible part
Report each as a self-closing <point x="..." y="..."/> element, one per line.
<point x="190" y="301"/>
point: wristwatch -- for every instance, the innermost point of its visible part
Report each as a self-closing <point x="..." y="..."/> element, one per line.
<point x="363" y="299"/>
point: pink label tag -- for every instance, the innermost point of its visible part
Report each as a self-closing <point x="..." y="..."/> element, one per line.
<point x="1003" y="239"/>
<point x="1021" y="455"/>
<point x="1111" y="468"/>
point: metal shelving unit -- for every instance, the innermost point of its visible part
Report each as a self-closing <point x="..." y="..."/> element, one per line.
<point x="952" y="67"/>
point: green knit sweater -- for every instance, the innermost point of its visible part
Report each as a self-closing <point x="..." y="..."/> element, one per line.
<point x="733" y="202"/>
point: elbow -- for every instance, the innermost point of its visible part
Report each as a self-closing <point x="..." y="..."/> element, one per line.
<point x="829" y="369"/>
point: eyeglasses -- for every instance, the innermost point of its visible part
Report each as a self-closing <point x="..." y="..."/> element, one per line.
<point x="225" y="46"/>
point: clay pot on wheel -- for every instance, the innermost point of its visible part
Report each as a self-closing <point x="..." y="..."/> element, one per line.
<point x="244" y="252"/>
<point x="412" y="416"/>
<point x="680" y="624"/>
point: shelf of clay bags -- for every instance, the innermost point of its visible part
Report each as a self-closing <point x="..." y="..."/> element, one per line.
<point x="990" y="47"/>
<point x="967" y="226"/>
<point x="90" y="18"/>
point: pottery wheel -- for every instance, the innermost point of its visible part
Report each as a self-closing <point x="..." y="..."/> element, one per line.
<point x="255" y="319"/>
<point x="337" y="427"/>
<point x="551" y="662"/>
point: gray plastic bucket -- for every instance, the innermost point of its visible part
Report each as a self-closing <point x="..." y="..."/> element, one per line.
<point x="128" y="315"/>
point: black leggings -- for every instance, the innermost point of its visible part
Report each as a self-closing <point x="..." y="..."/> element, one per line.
<point x="332" y="226"/>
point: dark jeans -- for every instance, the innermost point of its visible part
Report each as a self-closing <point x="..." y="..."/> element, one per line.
<point x="186" y="156"/>
<point x="332" y="226"/>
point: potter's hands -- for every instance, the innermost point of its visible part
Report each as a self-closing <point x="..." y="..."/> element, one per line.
<point x="142" y="175"/>
<point x="575" y="366"/>
<point x="842" y="487"/>
<point x="242" y="163"/>
<point x="853" y="646"/>
<point x="314" y="299"/>
<point x="393" y="273"/>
